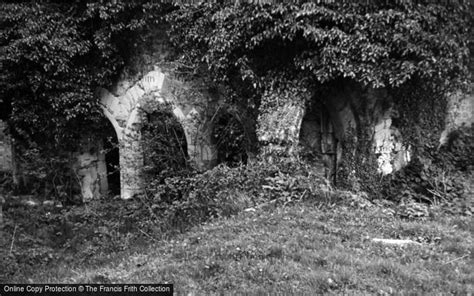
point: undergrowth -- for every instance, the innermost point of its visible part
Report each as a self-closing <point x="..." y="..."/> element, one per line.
<point x="440" y="176"/>
<point x="41" y="237"/>
<point x="223" y="191"/>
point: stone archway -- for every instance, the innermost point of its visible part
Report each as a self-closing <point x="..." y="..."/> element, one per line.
<point x="192" y="106"/>
<point x="112" y="160"/>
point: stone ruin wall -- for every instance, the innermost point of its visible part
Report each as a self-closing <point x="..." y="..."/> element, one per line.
<point x="348" y="107"/>
<point x="123" y="105"/>
<point x="460" y="113"/>
<point x="284" y="125"/>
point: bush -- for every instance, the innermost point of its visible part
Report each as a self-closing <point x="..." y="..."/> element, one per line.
<point x="438" y="175"/>
<point x="229" y="138"/>
<point x="194" y="198"/>
<point x="458" y="152"/>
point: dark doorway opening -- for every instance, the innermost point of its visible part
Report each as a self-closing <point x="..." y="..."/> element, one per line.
<point x="112" y="159"/>
<point x="318" y="140"/>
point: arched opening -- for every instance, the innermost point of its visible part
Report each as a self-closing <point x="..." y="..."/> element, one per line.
<point x="164" y="143"/>
<point x="112" y="160"/>
<point x="108" y="157"/>
<point x="318" y="141"/>
<point x="229" y="138"/>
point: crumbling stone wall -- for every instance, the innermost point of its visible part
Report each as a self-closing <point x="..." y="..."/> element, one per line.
<point x="350" y="109"/>
<point x="279" y="122"/>
<point x="191" y="106"/>
<point x="460" y="113"/>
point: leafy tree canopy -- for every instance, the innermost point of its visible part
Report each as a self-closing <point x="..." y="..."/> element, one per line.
<point x="55" y="54"/>
<point x="300" y="45"/>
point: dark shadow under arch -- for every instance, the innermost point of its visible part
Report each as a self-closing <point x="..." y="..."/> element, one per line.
<point x="164" y="143"/>
<point x="112" y="158"/>
<point x="229" y="137"/>
<point x="318" y="140"/>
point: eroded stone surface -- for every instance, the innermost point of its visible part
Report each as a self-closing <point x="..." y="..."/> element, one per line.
<point x="279" y="126"/>
<point x="460" y="113"/>
<point x="391" y="153"/>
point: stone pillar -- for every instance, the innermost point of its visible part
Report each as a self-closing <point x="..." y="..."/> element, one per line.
<point x="124" y="114"/>
<point x="131" y="160"/>
<point x="279" y="126"/>
<point x="460" y="113"/>
<point x="87" y="172"/>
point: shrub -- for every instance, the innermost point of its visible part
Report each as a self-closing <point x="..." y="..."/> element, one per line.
<point x="438" y="175"/>
<point x="223" y="191"/>
<point x="47" y="173"/>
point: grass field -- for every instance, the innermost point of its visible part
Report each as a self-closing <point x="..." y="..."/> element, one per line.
<point x="299" y="249"/>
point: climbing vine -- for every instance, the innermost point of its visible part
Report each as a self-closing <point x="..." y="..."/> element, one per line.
<point x="54" y="55"/>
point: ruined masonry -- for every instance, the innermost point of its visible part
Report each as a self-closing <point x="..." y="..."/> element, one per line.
<point x="124" y="110"/>
<point x="323" y="128"/>
<point x="289" y="128"/>
<point x="320" y="128"/>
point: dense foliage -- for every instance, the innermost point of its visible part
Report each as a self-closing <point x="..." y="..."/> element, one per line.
<point x="223" y="191"/>
<point x="54" y="55"/>
<point x="440" y="175"/>
<point x="269" y="55"/>
<point x="260" y="48"/>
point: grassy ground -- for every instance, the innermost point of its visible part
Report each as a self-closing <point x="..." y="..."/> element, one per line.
<point x="302" y="249"/>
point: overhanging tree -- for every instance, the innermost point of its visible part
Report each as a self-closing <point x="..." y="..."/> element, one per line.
<point x="54" y="55"/>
